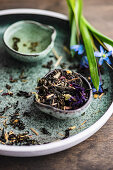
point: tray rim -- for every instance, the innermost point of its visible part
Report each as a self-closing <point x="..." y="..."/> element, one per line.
<point x="44" y="149"/>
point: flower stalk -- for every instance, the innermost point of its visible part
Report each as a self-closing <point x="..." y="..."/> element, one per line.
<point x="81" y="27"/>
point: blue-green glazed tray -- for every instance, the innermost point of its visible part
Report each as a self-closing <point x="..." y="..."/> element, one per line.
<point x="54" y="139"/>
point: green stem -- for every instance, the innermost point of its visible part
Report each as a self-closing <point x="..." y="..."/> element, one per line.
<point x="100" y="42"/>
<point x="78" y="14"/>
<point x="90" y="54"/>
<point x="70" y="12"/>
<point x="97" y="33"/>
<point x="73" y="36"/>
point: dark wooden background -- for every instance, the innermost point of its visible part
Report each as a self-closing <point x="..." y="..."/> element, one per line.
<point x="96" y="153"/>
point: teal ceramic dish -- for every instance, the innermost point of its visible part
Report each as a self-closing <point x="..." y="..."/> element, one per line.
<point x="29" y="41"/>
<point x="64" y="114"/>
<point x="55" y="140"/>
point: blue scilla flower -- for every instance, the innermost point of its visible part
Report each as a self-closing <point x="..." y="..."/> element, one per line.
<point x="100" y="88"/>
<point x="78" y="48"/>
<point x="104" y="56"/>
<point x="84" y="62"/>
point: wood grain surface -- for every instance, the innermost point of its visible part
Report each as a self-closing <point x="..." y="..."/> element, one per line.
<point x="96" y="153"/>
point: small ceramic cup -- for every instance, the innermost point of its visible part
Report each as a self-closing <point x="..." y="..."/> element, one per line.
<point x="64" y="114"/>
<point x="29" y="41"/>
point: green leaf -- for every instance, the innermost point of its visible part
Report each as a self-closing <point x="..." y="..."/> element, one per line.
<point x="73" y="36"/>
<point x="75" y="12"/>
<point x="93" y="44"/>
<point x="78" y="11"/>
<point x="72" y="4"/>
<point x="73" y="33"/>
<point x="90" y="54"/>
<point x="70" y="12"/>
<point x="98" y="34"/>
<point x="100" y="42"/>
<point x="76" y="7"/>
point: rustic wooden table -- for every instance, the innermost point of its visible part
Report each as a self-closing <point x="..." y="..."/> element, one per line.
<point x="96" y="153"/>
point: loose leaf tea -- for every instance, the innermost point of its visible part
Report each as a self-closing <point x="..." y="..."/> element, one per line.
<point x="16" y="40"/>
<point x="4" y="110"/>
<point x="33" y="46"/>
<point x="62" y="89"/>
<point x="10" y="138"/>
<point x="8" y="86"/>
<point x="45" y="131"/>
<point x="12" y="80"/>
<point x="48" y="65"/>
<point x="24" y="93"/>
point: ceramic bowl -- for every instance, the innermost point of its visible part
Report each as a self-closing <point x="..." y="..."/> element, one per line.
<point x="29" y="41"/>
<point x="64" y="114"/>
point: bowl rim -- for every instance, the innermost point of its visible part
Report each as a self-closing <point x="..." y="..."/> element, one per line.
<point x="53" y="36"/>
<point x="69" y="111"/>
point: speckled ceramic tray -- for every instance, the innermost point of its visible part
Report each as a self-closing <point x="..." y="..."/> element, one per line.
<point x="85" y="125"/>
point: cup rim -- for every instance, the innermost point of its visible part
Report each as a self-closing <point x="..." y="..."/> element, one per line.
<point x="50" y="46"/>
